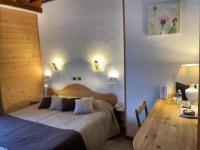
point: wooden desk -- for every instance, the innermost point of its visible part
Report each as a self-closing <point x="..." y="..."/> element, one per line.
<point x="163" y="129"/>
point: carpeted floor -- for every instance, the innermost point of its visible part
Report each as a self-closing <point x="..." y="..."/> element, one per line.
<point x="118" y="143"/>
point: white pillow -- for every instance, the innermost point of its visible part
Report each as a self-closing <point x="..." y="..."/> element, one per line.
<point x="56" y="103"/>
<point x="83" y="107"/>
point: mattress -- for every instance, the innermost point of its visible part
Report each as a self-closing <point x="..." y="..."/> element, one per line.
<point x="95" y="128"/>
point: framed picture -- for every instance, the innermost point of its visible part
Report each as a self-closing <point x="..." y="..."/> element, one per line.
<point x="164" y="18"/>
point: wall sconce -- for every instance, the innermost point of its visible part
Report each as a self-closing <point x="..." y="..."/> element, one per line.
<point x="47" y="80"/>
<point x="57" y="65"/>
<point x="99" y="63"/>
<point x="113" y="76"/>
<point x="47" y="75"/>
<point x="46" y="85"/>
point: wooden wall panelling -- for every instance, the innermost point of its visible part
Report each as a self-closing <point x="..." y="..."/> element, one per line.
<point x="20" y="60"/>
<point x="34" y="6"/>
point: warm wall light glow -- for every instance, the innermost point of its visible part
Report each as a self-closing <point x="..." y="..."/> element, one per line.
<point x="99" y="63"/>
<point x="48" y="73"/>
<point x="190" y="65"/>
<point x="46" y="85"/>
<point x="57" y="64"/>
<point x="113" y="74"/>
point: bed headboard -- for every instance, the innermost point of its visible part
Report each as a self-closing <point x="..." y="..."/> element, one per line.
<point x="78" y="90"/>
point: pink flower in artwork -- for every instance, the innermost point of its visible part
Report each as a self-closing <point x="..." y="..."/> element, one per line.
<point x="163" y="18"/>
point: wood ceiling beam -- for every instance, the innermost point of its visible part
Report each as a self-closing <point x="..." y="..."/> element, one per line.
<point x="32" y="6"/>
<point x="45" y="1"/>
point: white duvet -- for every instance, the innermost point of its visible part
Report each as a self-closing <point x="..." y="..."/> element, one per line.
<point x="95" y="128"/>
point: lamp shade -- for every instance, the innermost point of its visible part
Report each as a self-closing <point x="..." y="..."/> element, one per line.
<point x="188" y="74"/>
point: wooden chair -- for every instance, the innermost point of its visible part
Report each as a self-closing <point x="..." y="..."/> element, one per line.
<point x="139" y="111"/>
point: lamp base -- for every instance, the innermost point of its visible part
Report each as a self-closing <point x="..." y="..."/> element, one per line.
<point x="192" y="94"/>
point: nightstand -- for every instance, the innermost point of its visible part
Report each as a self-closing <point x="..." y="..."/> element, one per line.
<point x="120" y="115"/>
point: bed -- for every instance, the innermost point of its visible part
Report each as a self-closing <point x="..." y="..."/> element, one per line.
<point x="89" y="131"/>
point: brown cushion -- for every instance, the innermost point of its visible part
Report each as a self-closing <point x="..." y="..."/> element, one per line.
<point x="46" y="102"/>
<point x="68" y="104"/>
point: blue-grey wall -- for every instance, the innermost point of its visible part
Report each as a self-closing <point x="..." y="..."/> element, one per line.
<point x="152" y="61"/>
<point x="75" y="31"/>
<point x="82" y="28"/>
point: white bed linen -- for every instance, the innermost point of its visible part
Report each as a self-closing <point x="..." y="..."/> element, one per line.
<point x="95" y="128"/>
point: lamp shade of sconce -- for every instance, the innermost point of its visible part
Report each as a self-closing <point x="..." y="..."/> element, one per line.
<point x="47" y="75"/>
<point x="96" y="64"/>
<point x="189" y="75"/>
<point x="57" y="65"/>
<point x="113" y="76"/>
<point x="46" y="85"/>
<point x="99" y="63"/>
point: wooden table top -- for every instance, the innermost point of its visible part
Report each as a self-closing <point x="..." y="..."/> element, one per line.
<point x="163" y="129"/>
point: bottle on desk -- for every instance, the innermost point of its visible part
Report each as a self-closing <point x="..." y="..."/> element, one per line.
<point x="178" y="97"/>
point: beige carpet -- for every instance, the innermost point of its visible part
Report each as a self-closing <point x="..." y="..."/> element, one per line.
<point x="118" y="143"/>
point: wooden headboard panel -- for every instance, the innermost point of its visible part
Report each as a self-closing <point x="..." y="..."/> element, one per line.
<point x="78" y="90"/>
